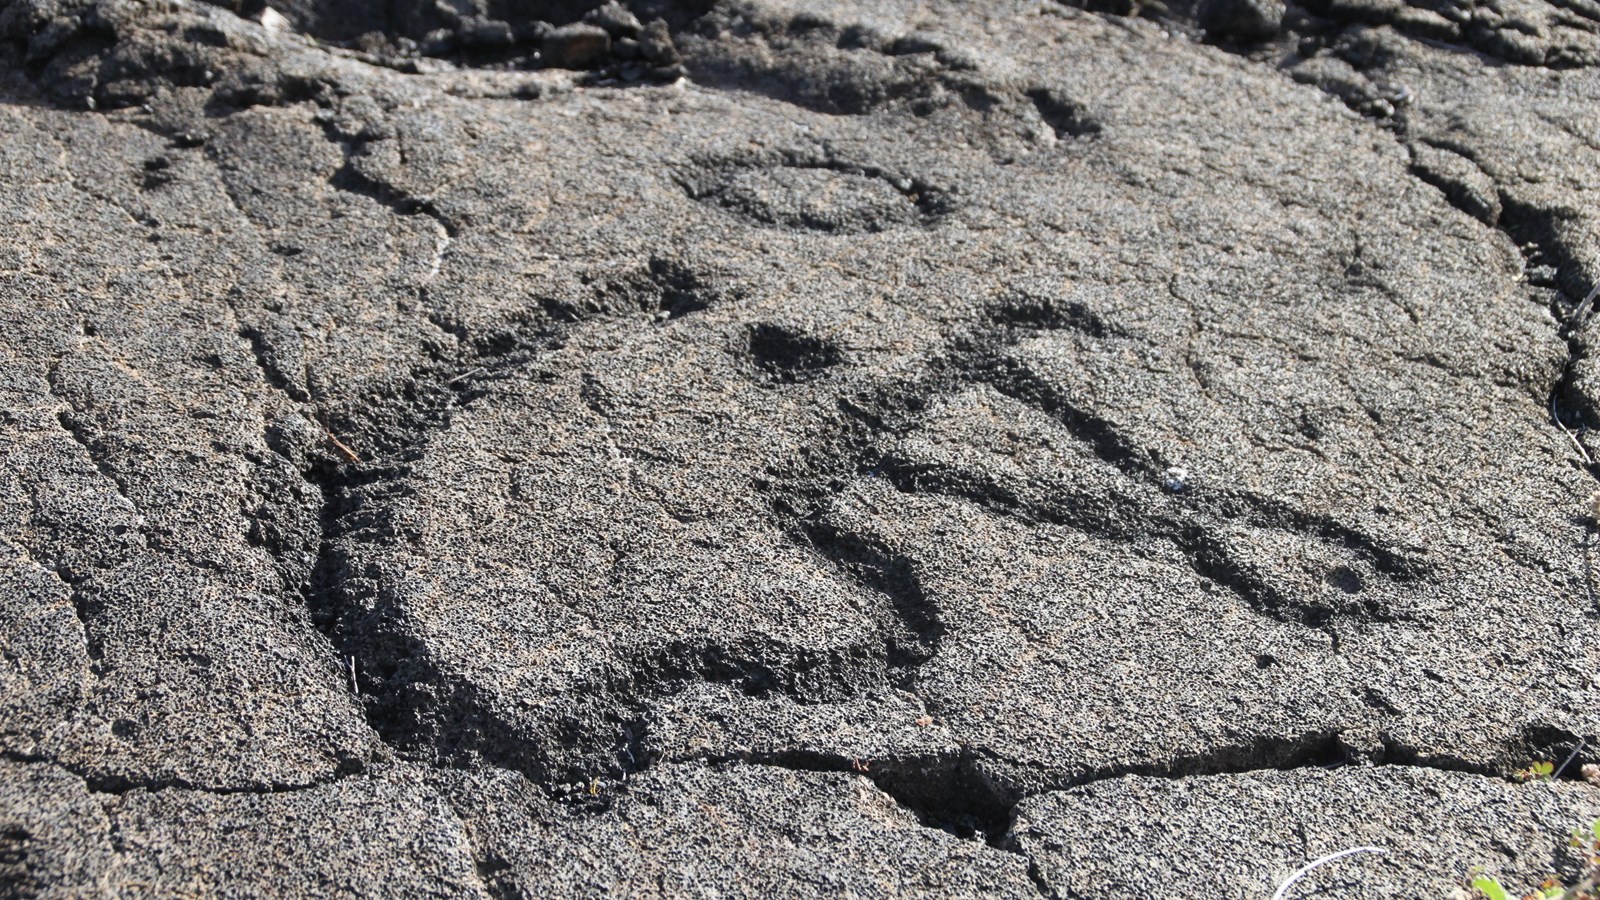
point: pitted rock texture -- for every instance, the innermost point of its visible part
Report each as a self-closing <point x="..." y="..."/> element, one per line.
<point x="784" y="449"/>
<point x="1259" y="827"/>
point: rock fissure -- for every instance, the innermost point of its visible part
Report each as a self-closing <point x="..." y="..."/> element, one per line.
<point x="1552" y="264"/>
<point x="1554" y="267"/>
<point x="953" y="793"/>
<point x="117" y="785"/>
<point x="945" y="792"/>
<point x="619" y="450"/>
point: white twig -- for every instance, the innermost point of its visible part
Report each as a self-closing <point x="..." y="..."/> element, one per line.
<point x="1570" y="757"/>
<point x="355" y="686"/>
<point x="1283" y="889"/>
<point x="1584" y="307"/>
<point x="1579" y="315"/>
<point x="1568" y="432"/>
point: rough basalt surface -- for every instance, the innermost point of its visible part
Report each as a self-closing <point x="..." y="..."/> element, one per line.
<point x="781" y="449"/>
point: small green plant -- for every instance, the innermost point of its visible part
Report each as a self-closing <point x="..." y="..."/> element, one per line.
<point x="1584" y="888"/>
<point x="1543" y="770"/>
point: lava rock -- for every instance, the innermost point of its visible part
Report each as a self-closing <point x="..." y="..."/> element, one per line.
<point x="1244" y="834"/>
<point x="655" y="44"/>
<point x="615" y="18"/>
<point x="470" y="480"/>
<point x="486" y="33"/>
<point x="1241" y="20"/>
<point x="579" y="46"/>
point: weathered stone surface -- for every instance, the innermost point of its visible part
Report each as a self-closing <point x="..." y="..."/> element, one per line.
<point x="748" y="830"/>
<point x="576" y="46"/>
<point x="54" y="836"/>
<point x="912" y="419"/>
<point x="1243" y="835"/>
<point x="378" y="836"/>
<point x="372" y="836"/>
<point x="1249" y="20"/>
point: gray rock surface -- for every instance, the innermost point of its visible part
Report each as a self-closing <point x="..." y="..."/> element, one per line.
<point x="865" y="448"/>
<point x="749" y="830"/>
<point x="1139" y="837"/>
<point x="369" y="836"/>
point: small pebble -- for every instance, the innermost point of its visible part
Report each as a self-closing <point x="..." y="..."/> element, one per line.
<point x="1176" y="479"/>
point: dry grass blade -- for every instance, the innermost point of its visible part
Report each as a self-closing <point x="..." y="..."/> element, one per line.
<point x="1303" y="871"/>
